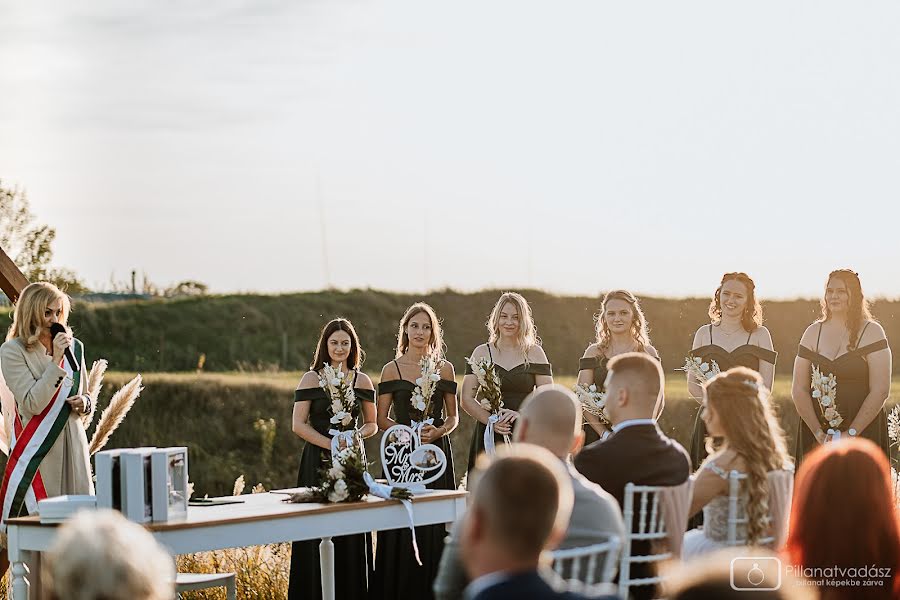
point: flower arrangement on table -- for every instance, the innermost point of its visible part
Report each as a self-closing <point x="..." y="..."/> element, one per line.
<point x="347" y="480"/>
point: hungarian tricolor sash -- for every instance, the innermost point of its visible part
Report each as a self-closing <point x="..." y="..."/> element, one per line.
<point x="22" y="485"/>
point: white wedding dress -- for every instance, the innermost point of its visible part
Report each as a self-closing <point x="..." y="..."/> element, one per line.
<point x="712" y="535"/>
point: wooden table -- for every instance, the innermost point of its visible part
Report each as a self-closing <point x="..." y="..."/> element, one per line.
<point x="260" y="519"/>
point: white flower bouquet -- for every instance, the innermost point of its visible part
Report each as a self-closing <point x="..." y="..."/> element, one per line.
<point x="702" y="370"/>
<point x="824" y="392"/>
<point x="489" y="396"/>
<point x="420" y="402"/>
<point x="593" y="401"/>
<point x="343" y="398"/>
<point x="488" y="393"/>
<point x="893" y="419"/>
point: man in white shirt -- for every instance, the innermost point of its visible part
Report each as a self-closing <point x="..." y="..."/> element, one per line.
<point x="636" y="451"/>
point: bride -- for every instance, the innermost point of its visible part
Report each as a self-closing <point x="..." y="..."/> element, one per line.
<point x="746" y="438"/>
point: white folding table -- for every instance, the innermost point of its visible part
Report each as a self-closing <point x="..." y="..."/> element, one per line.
<point x="260" y="519"/>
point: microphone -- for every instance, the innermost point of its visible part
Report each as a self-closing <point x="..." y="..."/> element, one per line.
<point x="58" y="328"/>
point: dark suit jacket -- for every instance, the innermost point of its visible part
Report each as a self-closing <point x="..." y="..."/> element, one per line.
<point x="639" y="454"/>
<point x="527" y="585"/>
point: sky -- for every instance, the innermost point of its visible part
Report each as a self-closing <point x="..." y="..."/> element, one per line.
<point x="406" y="145"/>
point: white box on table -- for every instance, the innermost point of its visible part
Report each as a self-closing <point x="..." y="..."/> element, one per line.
<point x="59" y="508"/>
<point x="108" y="468"/>
<point x="137" y="500"/>
<point x="169" y="483"/>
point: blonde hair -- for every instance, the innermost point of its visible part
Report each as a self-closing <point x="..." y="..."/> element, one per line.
<point x="436" y="343"/>
<point x="742" y="404"/>
<point x="640" y="332"/>
<point x="527" y="337"/>
<point x="28" y="317"/>
<point x="101" y="554"/>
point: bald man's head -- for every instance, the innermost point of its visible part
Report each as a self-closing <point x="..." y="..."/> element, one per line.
<point x="551" y="417"/>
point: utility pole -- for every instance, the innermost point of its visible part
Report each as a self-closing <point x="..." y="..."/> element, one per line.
<point x="323" y="232"/>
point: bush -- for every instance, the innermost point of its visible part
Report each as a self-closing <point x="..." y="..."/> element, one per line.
<point x="268" y="333"/>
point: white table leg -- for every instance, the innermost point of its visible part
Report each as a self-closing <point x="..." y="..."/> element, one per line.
<point x="17" y="560"/>
<point x="326" y="562"/>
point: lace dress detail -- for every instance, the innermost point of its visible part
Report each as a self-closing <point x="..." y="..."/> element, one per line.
<point x="715" y="513"/>
<point x="714" y="533"/>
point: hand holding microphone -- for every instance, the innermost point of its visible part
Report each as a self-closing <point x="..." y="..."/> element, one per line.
<point x="61" y="344"/>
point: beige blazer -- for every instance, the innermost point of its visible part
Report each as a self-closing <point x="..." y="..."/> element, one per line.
<point x="33" y="378"/>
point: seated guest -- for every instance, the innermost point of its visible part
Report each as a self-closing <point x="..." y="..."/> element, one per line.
<point x="102" y="555"/>
<point x="636" y="451"/>
<point x="520" y="507"/>
<point x="730" y="574"/>
<point x="844" y="517"/>
<point x="745" y="437"/>
<point x="550" y="417"/>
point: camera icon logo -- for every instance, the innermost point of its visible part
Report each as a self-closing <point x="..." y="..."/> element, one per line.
<point x="755" y="573"/>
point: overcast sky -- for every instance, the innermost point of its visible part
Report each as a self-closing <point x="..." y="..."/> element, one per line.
<point x="570" y="146"/>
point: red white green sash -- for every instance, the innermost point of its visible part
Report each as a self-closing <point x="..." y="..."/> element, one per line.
<point x="22" y="484"/>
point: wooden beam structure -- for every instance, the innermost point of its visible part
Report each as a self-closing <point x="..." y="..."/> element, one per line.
<point x="12" y="281"/>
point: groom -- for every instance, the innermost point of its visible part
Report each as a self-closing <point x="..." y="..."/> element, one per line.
<point x="636" y="451"/>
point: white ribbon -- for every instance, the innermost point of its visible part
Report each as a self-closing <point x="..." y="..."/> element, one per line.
<point x="489" y="434"/>
<point x="337" y="436"/>
<point x="384" y="491"/>
<point x="417" y="427"/>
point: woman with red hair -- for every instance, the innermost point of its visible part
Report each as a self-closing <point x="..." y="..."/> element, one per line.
<point x="844" y="529"/>
<point x="848" y="343"/>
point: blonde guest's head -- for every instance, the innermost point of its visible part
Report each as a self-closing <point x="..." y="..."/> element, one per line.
<point x="622" y="305"/>
<point x="38" y="305"/>
<point x="423" y="318"/>
<point x="512" y="309"/>
<point x="102" y="555"/>
<point x="737" y="409"/>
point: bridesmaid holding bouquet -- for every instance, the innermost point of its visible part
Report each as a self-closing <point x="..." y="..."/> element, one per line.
<point x="621" y="327"/>
<point x="848" y="346"/>
<point x="514" y="350"/>
<point x="419" y="365"/>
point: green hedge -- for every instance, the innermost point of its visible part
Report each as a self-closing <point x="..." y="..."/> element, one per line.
<point x="258" y="333"/>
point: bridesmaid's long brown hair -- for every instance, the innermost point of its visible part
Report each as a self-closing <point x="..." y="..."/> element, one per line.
<point x="354" y="358"/>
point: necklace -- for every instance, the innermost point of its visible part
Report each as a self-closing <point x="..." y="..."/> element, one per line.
<point x="615" y="352"/>
<point x="726" y="332"/>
